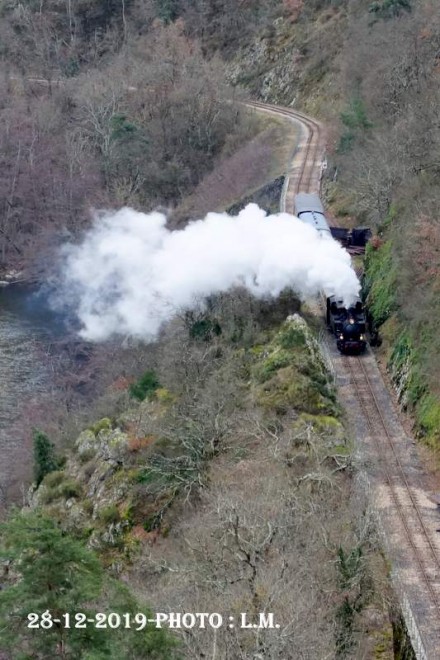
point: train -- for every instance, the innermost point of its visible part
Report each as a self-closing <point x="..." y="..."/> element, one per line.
<point x="309" y="209"/>
<point x="347" y="324"/>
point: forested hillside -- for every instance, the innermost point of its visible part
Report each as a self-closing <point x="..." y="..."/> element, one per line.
<point x="226" y="484"/>
<point x="102" y="105"/>
<point x="389" y="160"/>
<point x="370" y="70"/>
<point x="386" y="155"/>
<point x="216" y="474"/>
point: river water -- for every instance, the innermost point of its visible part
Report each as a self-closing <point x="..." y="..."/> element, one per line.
<point x="27" y="327"/>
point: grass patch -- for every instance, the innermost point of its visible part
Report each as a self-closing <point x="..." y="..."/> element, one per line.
<point x="54" y="479"/>
<point x="69" y="488"/>
<point x="109" y="514"/>
<point x="60" y="489"/>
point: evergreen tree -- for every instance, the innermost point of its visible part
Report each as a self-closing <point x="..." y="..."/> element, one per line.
<point x="389" y="8"/>
<point x="45" y="460"/>
<point x="47" y="570"/>
<point x="167" y="10"/>
<point x="145" y="387"/>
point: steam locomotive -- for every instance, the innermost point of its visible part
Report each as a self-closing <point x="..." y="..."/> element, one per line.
<point x="347" y="324"/>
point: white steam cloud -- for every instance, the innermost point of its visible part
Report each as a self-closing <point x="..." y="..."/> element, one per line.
<point x="131" y="274"/>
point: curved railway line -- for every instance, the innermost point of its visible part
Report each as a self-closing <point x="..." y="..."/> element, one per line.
<point x="304" y="172"/>
<point x="409" y="521"/>
<point x="407" y="518"/>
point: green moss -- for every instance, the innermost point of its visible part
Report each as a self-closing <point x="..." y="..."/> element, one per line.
<point x="322" y="424"/>
<point x="341" y="450"/>
<point x="401" y="351"/>
<point x="379" y="284"/>
<point x="289" y="373"/>
<point x="390" y="330"/>
<point x="405" y="365"/>
<point x="391" y="216"/>
<point x="291" y="337"/>
<point x="326" y="428"/>
<point x="417" y="386"/>
<point x="429" y="417"/>
<point x="291" y="389"/>
<point x="116" y="438"/>
<point x="275" y="361"/>
<point x="164" y="396"/>
<point x="383" y="647"/>
<point x="404" y="357"/>
<point x="101" y="425"/>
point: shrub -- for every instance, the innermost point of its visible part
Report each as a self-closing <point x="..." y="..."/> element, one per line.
<point x="109" y="514"/>
<point x="135" y="443"/>
<point x="87" y="455"/>
<point x="291" y="337"/>
<point x="45" y="460"/>
<point x="101" y="425"/>
<point x="346" y="142"/>
<point x="88" y="506"/>
<point x="277" y="360"/>
<point x="145" y="387"/>
<point x="53" y="479"/>
<point x="389" y="8"/>
<point x="164" y="396"/>
<point x="205" y="329"/>
<point x="69" y="488"/>
<point x="356" y="115"/>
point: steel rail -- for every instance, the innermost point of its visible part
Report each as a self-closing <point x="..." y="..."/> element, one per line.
<point x="312" y="146"/>
<point x="418" y="537"/>
<point x="374" y="418"/>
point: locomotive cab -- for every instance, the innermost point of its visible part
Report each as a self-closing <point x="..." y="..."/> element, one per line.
<point x="347" y="324"/>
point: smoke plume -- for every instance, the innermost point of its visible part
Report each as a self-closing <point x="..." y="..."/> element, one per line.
<point x="131" y="274"/>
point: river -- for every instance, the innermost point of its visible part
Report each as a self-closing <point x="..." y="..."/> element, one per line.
<point x="27" y="327"/>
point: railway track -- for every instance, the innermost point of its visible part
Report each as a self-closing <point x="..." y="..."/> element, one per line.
<point x="408" y="522"/>
<point x="403" y="493"/>
<point x="305" y="169"/>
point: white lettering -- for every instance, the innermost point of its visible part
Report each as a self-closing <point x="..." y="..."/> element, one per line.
<point x="188" y="620"/>
<point x="215" y="620"/>
<point x="266" y="620"/>
<point x="202" y="617"/>
<point x="174" y="620"/>
<point x="161" y="617"/>
<point x="244" y="623"/>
